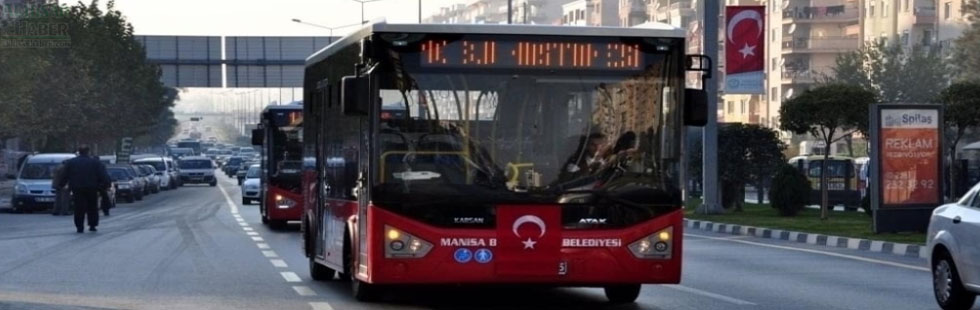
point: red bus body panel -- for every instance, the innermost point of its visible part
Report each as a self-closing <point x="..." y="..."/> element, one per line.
<point x="274" y="213"/>
<point x="585" y="266"/>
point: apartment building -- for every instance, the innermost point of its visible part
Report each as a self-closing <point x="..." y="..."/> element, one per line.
<point x="590" y="13"/>
<point x="804" y="39"/>
<point x="950" y="21"/>
<point x="905" y="22"/>
<point x="495" y="12"/>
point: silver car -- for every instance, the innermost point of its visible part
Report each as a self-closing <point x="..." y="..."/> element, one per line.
<point x="954" y="243"/>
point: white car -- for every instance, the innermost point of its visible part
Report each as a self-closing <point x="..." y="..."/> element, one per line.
<point x="164" y="169"/>
<point x="252" y="186"/>
<point x="954" y="243"/>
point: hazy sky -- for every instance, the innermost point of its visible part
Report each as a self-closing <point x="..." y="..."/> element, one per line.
<point x="264" y="18"/>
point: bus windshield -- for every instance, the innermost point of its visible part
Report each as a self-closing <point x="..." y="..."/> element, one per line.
<point x="539" y="133"/>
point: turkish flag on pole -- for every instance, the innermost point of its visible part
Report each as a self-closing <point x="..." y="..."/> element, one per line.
<point x="745" y="57"/>
<point x="529" y="240"/>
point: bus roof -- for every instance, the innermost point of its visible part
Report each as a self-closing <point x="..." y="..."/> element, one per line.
<point x="657" y="30"/>
<point x="288" y="107"/>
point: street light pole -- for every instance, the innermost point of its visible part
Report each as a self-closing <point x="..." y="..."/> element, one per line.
<point x="510" y="11"/>
<point x="362" y="8"/>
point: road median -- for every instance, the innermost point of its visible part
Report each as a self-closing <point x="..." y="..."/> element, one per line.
<point x="850" y="230"/>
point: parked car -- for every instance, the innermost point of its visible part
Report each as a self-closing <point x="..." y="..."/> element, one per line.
<point x="124" y="185"/>
<point x="164" y="169"/>
<point x="953" y="242"/>
<point x="151" y="176"/>
<point x="197" y="169"/>
<point x="33" y="189"/>
<point x="133" y="187"/>
<point x="252" y="185"/>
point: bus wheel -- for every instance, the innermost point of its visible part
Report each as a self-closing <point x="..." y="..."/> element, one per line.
<point x="320" y="272"/>
<point x="620" y="294"/>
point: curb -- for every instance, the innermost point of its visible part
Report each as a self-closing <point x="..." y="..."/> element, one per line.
<point x="867" y="245"/>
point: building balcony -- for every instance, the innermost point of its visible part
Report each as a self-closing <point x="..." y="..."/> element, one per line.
<point x="924" y="16"/>
<point x="821" y="14"/>
<point x="821" y="45"/>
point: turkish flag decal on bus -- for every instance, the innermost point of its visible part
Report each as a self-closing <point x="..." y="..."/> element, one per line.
<point x="529" y="240"/>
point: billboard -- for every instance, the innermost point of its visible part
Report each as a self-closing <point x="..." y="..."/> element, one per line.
<point x="745" y="58"/>
<point x="910" y="161"/>
<point x="907" y="163"/>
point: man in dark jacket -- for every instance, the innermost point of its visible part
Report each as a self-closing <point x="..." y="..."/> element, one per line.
<point x="85" y="176"/>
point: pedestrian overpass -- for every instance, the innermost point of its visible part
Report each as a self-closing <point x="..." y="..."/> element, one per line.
<point x="233" y="61"/>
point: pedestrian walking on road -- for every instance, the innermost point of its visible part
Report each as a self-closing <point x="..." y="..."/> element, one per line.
<point x="85" y="176"/>
<point x="62" y="199"/>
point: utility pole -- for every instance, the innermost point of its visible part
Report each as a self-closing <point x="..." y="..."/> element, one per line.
<point x="420" y="11"/>
<point x="711" y="191"/>
<point x="510" y="12"/>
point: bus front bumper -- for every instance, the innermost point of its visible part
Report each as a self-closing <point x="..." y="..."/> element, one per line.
<point x="580" y="262"/>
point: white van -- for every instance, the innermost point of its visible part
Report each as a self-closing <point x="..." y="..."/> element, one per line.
<point x="197" y="169"/>
<point x="33" y="189"/>
<point x="165" y="170"/>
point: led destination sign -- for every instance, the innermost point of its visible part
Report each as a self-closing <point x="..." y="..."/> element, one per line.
<point x="531" y="54"/>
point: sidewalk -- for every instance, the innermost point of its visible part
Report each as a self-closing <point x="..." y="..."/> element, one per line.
<point x="6" y="191"/>
<point x="876" y="246"/>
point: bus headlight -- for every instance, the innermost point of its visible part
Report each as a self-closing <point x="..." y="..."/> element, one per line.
<point x="399" y="244"/>
<point x="658" y="245"/>
<point x="284" y="203"/>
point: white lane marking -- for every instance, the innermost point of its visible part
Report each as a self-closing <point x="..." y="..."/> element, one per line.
<point x="323" y="305"/>
<point x="248" y="229"/>
<point x="243" y="224"/>
<point x="270" y="254"/>
<point x="724" y="298"/>
<point x="257" y="239"/>
<point x="264" y="246"/>
<point x="852" y="257"/>
<point x="290" y="276"/>
<point x="231" y="203"/>
<point x="252" y="233"/>
<point x="304" y="291"/>
<point x="278" y="263"/>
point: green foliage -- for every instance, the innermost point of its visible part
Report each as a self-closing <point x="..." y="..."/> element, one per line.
<point x="965" y="52"/>
<point x="98" y="89"/>
<point x="827" y="112"/>
<point x="894" y="73"/>
<point x="962" y="112"/>
<point x="747" y="154"/>
<point x="962" y="103"/>
<point x="790" y="191"/>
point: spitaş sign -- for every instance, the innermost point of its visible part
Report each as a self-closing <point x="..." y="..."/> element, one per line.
<point x="906" y="165"/>
<point x="910" y="158"/>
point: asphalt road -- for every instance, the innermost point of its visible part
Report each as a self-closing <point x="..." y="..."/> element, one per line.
<point x="187" y="249"/>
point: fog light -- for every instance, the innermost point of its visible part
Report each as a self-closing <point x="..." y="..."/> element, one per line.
<point x="664" y="236"/>
<point x="397" y="245"/>
<point x="393" y="234"/>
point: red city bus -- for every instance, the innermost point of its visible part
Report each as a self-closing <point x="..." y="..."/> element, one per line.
<point x="497" y="154"/>
<point x="279" y="135"/>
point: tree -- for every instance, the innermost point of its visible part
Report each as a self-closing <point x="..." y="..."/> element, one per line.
<point x="895" y="73"/>
<point x="965" y="52"/>
<point x="962" y="104"/>
<point x="59" y="97"/>
<point x="748" y="154"/>
<point x="828" y="112"/>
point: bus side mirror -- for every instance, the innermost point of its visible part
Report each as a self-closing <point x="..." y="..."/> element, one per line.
<point x="695" y="107"/>
<point x="354" y="95"/>
<point x="257" y="136"/>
